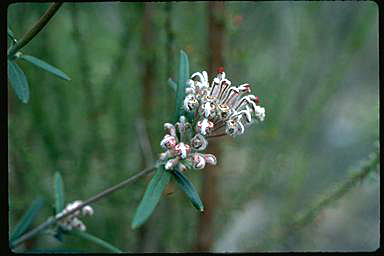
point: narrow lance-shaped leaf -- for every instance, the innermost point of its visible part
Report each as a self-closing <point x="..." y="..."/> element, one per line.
<point x="151" y="196"/>
<point x="189" y="189"/>
<point x="18" y="81"/>
<point x="95" y="240"/>
<point x="44" y="65"/>
<point x="183" y="77"/>
<point x="11" y="35"/>
<point x="27" y="219"/>
<point x="59" y="192"/>
<point x="172" y="84"/>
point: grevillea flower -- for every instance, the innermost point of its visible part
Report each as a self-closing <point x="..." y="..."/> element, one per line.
<point x="72" y="221"/>
<point x="219" y="109"/>
<point x="209" y="110"/>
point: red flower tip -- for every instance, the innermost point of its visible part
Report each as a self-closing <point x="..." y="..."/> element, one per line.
<point x="219" y="70"/>
<point x="257" y="99"/>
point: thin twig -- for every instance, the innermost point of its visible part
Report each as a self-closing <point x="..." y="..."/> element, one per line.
<point x="51" y="220"/>
<point x="306" y="217"/>
<point x="367" y="167"/>
<point x="35" y="29"/>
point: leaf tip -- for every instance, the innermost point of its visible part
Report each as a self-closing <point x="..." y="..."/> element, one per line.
<point x="134" y="225"/>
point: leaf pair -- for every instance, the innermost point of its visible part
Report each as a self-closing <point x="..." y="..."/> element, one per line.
<point x="11" y="35"/>
<point x="18" y="79"/>
<point x="156" y="187"/>
<point x="27" y="219"/>
<point x="162" y="177"/>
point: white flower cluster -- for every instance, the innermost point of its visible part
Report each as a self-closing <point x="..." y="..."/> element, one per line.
<point x="72" y="221"/>
<point x="180" y="155"/>
<point x="219" y="109"/>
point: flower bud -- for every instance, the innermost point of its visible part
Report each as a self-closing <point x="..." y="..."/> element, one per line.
<point x="87" y="210"/>
<point x="182" y="150"/>
<point x="171" y="164"/>
<point x="168" y="142"/>
<point x="198" y="142"/>
<point x="210" y="159"/>
<point x="170" y="129"/>
<point x="198" y="161"/>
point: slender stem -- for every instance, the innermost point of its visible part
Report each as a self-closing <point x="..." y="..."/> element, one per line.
<point x="367" y="167"/>
<point x="51" y="220"/>
<point x="35" y="29"/>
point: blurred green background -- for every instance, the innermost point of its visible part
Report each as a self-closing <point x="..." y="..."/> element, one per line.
<point x="313" y="64"/>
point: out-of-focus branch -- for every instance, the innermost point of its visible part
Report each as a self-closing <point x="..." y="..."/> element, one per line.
<point x="35" y="29"/>
<point x="93" y="142"/>
<point x="145" y="145"/>
<point x="110" y="80"/>
<point x="367" y="167"/>
<point x="169" y="53"/>
<point x="307" y="216"/>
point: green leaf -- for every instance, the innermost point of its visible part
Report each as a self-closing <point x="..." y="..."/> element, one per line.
<point x="18" y="81"/>
<point x="10" y="34"/>
<point x="59" y="192"/>
<point x="27" y="219"/>
<point x="183" y="77"/>
<point x="95" y="240"/>
<point x="44" y="65"/>
<point x="151" y="196"/>
<point x="172" y="84"/>
<point x="189" y="189"/>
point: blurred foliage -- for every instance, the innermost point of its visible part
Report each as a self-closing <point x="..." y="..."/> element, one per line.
<point x="313" y="64"/>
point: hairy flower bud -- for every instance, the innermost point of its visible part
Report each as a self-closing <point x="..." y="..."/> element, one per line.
<point x="198" y="142"/>
<point x="182" y="150"/>
<point x="168" y="142"/>
<point x="87" y="210"/>
<point x="72" y="221"/>
<point x="210" y="159"/>
<point x="198" y="161"/>
<point x="171" y="164"/>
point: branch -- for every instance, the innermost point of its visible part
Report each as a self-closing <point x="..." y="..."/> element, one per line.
<point x="366" y="168"/>
<point x="36" y="28"/>
<point x="306" y="217"/>
<point x="53" y="219"/>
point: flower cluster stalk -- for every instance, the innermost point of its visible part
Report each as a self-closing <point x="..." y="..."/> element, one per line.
<point x="52" y="220"/>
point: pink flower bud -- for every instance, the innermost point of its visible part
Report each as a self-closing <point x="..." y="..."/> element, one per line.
<point x="198" y="161"/>
<point x="168" y="142"/>
<point x="210" y="159"/>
